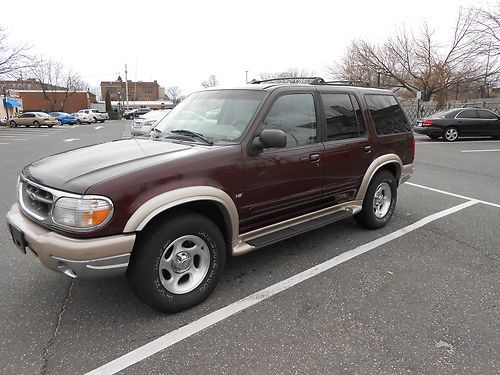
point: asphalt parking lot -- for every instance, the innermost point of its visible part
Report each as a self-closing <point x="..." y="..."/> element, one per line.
<point x="419" y="296"/>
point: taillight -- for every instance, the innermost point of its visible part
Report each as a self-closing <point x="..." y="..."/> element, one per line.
<point x="426" y="123"/>
<point x="413" y="149"/>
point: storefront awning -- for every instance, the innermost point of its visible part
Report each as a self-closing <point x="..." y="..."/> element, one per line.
<point x="12" y="103"/>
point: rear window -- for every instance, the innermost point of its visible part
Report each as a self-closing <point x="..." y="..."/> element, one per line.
<point x="387" y="114"/>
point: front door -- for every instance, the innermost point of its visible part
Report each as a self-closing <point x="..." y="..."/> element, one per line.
<point x="284" y="182"/>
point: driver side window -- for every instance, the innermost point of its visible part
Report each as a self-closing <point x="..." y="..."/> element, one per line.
<point x="295" y="114"/>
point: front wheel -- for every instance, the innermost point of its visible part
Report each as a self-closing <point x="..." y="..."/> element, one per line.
<point x="13" y="124"/>
<point x="36" y="124"/>
<point x="450" y="134"/>
<point x="79" y="122"/>
<point x="95" y="120"/>
<point x="379" y="202"/>
<point x="177" y="264"/>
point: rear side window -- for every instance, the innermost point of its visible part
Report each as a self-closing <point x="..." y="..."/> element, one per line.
<point x="387" y="114"/>
<point x="468" y="113"/>
<point x="343" y="117"/>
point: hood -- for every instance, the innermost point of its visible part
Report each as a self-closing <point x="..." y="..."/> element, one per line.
<point x="77" y="170"/>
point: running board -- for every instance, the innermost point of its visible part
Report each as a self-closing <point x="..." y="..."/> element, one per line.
<point x="296" y="229"/>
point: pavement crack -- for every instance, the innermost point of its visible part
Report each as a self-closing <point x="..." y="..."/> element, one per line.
<point x="45" y="354"/>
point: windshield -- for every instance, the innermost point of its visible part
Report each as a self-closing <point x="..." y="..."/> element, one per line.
<point x="220" y="115"/>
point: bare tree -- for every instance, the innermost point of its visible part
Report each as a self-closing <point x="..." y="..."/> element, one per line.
<point x="210" y="82"/>
<point x="291" y="75"/>
<point x="417" y="62"/>
<point x="12" y="57"/>
<point x="57" y="83"/>
<point x="175" y="94"/>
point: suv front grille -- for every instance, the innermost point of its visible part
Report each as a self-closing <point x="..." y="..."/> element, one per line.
<point x="36" y="201"/>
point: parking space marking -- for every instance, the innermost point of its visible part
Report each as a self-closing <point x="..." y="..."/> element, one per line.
<point x="4" y="143"/>
<point x="217" y="316"/>
<point x="15" y="139"/>
<point x="71" y="139"/>
<point x="453" y="194"/>
<point x="493" y="150"/>
<point x="452" y="143"/>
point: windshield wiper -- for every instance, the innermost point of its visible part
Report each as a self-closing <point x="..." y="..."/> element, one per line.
<point x="191" y="134"/>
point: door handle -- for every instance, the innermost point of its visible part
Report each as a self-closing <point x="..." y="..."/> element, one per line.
<point x="314" y="157"/>
<point x="368" y="149"/>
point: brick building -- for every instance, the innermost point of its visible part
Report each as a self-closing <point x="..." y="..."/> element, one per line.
<point x="137" y="91"/>
<point x="29" y="84"/>
<point x="58" y="100"/>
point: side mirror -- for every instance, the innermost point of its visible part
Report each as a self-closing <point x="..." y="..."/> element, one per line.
<point x="269" y="138"/>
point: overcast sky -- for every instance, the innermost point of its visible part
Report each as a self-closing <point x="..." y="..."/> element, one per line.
<point x="181" y="43"/>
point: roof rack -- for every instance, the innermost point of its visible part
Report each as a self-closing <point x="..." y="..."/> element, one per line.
<point x="313" y="81"/>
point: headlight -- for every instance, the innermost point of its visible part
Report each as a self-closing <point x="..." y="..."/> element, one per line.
<point x="82" y="213"/>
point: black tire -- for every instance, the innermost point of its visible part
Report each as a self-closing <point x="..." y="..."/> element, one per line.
<point x="59" y="123"/>
<point x="367" y="217"/>
<point x="50" y="126"/>
<point x="143" y="273"/>
<point x="13" y="124"/>
<point x="79" y="122"/>
<point x="102" y="121"/>
<point x="496" y="137"/>
<point x="95" y="120"/>
<point x="36" y="124"/>
<point x="450" y="134"/>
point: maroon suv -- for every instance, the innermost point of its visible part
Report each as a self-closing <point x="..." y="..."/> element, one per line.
<point x="226" y="172"/>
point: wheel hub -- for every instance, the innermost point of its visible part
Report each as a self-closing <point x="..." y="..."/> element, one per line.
<point x="182" y="262"/>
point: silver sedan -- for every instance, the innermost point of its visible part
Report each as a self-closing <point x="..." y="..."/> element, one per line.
<point x="145" y="123"/>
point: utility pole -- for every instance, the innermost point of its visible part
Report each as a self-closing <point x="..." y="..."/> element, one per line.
<point x="126" y="85"/>
<point x="246" y="76"/>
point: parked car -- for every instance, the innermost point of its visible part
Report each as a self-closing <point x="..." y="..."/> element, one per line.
<point x="96" y="115"/>
<point x="460" y="122"/>
<point x="136" y="113"/>
<point x="64" y="118"/>
<point x="83" y="118"/>
<point x="143" y="124"/>
<point x="271" y="161"/>
<point x="3" y="121"/>
<point x="35" y="119"/>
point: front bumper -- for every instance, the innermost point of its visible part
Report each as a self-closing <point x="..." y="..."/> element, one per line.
<point x="85" y="258"/>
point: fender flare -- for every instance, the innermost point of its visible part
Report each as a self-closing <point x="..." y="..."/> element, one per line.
<point x="374" y="167"/>
<point x="170" y="199"/>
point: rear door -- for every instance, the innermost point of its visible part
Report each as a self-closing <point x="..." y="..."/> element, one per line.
<point x="283" y="182"/>
<point x="468" y="122"/>
<point x="348" y="151"/>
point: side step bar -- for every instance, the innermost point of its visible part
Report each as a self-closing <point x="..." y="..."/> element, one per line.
<point x="300" y="228"/>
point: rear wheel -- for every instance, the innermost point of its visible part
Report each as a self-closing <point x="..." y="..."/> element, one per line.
<point x="95" y="120"/>
<point x="50" y="126"/>
<point x="379" y="202"/>
<point x="59" y="122"/>
<point x="13" y="124"/>
<point x="177" y="264"/>
<point x="450" y="134"/>
<point x="78" y="122"/>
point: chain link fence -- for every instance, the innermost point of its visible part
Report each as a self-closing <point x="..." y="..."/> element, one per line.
<point x="429" y="108"/>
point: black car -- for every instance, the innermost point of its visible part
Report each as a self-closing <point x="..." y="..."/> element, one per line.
<point x="460" y="122"/>
<point x="136" y="113"/>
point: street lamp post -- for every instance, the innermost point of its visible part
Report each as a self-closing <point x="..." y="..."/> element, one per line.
<point x="246" y="76"/>
<point x="5" y="104"/>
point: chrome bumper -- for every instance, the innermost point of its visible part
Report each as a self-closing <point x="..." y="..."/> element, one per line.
<point x="85" y="258"/>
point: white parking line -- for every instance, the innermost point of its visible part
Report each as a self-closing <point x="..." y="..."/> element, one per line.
<point x="4" y="143"/>
<point x="71" y="139"/>
<point x="15" y="139"/>
<point x="215" y="317"/>
<point x="453" y="194"/>
<point x="494" y="150"/>
<point x="453" y="143"/>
